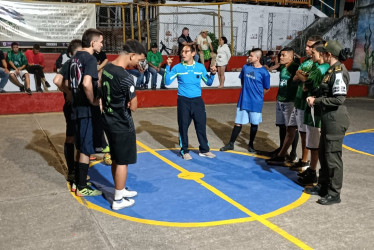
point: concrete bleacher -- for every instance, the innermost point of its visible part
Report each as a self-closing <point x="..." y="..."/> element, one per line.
<point x="16" y="103"/>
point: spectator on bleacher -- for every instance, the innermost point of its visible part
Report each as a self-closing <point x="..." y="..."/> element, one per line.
<point x="63" y="58"/>
<point x="140" y="71"/>
<point x="4" y="72"/>
<point x="184" y="40"/>
<point x="205" y="47"/>
<point x="223" y="57"/>
<point x="35" y="66"/>
<point x="17" y="63"/>
<point x="154" y="59"/>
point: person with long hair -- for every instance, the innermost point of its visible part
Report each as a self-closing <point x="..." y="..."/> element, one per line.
<point x="223" y="57"/>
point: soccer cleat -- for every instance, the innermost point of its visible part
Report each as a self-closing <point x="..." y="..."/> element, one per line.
<point x="128" y="193"/>
<point x="207" y="154"/>
<point x="228" y="146"/>
<point x="187" y="156"/>
<point x="310" y="178"/>
<point x="277" y="161"/>
<point x="87" y="191"/>
<point x="106" y="149"/>
<point x="124" y="202"/>
<point x="300" y="166"/>
<point x="28" y="91"/>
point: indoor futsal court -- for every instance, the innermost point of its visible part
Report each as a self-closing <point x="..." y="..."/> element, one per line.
<point x="232" y="201"/>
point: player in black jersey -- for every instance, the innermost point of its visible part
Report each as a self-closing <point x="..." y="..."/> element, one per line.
<point x="119" y="99"/>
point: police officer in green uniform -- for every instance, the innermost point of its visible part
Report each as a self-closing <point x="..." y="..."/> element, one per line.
<point x="334" y="124"/>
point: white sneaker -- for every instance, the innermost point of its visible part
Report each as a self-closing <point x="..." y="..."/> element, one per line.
<point x="207" y="154"/>
<point x="128" y="193"/>
<point x="187" y="156"/>
<point x="124" y="202"/>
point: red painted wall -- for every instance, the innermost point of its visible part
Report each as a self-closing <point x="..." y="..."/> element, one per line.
<point x="21" y="103"/>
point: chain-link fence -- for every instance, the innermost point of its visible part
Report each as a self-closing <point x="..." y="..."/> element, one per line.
<point x="244" y="26"/>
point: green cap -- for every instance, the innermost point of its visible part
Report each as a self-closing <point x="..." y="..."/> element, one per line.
<point x="332" y="46"/>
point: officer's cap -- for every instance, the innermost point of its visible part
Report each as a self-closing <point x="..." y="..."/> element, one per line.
<point x="332" y="46"/>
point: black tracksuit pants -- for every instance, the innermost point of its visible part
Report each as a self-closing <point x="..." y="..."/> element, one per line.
<point x="192" y="109"/>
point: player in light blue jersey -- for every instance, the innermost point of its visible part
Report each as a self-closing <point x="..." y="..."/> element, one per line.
<point x="255" y="80"/>
<point x="190" y="104"/>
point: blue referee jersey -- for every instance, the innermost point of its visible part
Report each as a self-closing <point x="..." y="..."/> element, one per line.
<point x="189" y="78"/>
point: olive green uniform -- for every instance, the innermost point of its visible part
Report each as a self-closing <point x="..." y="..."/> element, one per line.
<point x="334" y="124"/>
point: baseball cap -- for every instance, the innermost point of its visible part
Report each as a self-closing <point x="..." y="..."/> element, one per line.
<point x="332" y="46"/>
<point x="154" y="45"/>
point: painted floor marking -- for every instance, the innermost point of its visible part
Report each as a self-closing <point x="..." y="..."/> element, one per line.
<point x="220" y="194"/>
<point x="355" y="150"/>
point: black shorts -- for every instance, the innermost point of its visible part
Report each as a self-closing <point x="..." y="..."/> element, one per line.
<point x="122" y="147"/>
<point x="84" y="136"/>
<point x="70" y="125"/>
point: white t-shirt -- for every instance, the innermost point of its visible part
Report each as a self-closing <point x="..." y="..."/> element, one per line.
<point x="204" y="42"/>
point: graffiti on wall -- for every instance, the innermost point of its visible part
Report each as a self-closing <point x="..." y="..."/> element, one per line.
<point x="364" y="52"/>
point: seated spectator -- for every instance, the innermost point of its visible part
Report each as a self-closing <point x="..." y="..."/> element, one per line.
<point x="184" y="40"/>
<point x="17" y="63"/>
<point x="35" y="66"/>
<point x="154" y="59"/>
<point x="63" y="58"/>
<point x="4" y="72"/>
<point x="204" y="43"/>
<point x="140" y="71"/>
<point x="269" y="59"/>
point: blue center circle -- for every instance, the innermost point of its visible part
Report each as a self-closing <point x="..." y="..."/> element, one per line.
<point x="360" y="141"/>
<point x="201" y="190"/>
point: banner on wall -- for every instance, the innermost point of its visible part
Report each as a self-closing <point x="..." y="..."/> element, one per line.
<point x="51" y="23"/>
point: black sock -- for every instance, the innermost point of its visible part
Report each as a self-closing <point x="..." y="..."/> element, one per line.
<point x="69" y="156"/>
<point x="82" y="175"/>
<point x="252" y="134"/>
<point x="282" y="134"/>
<point x="294" y="144"/>
<point x="235" y="132"/>
<point x="76" y="171"/>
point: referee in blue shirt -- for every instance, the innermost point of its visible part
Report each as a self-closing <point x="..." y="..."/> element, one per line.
<point x="190" y="104"/>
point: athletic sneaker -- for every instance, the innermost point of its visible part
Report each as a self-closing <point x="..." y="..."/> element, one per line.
<point x="22" y="88"/>
<point x="187" y="156"/>
<point x="277" y="160"/>
<point x="106" y="149"/>
<point x="124" y="202"/>
<point x="300" y="166"/>
<point x="47" y="84"/>
<point x="88" y="191"/>
<point x="74" y="187"/>
<point x="306" y="172"/>
<point x="252" y="150"/>
<point x="129" y="193"/>
<point x="207" y="154"/>
<point x="28" y="91"/>
<point x="310" y="178"/>
<point x="292" y="158"/>
<point x="228" y="146"/>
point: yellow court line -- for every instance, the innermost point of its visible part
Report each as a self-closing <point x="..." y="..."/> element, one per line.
<point x="359" y="132"/>
<point x="220" y="194"/>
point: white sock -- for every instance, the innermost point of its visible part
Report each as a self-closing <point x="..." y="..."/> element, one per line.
<point x="118" y="195"/>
